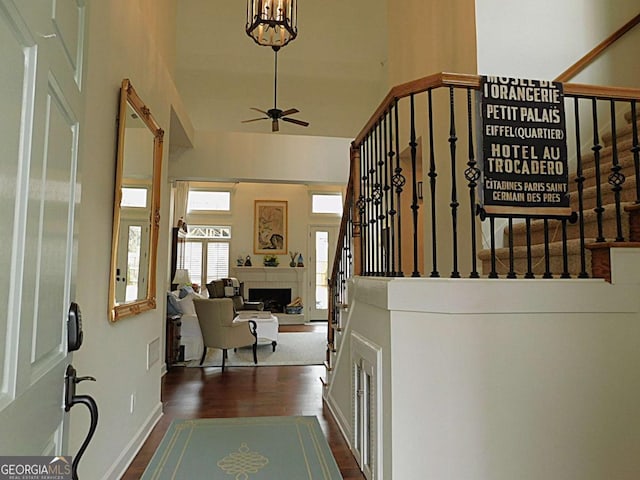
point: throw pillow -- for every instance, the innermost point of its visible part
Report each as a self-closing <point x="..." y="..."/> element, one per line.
<point x="186" y="304"/>
<point x="184" y="291"/>
<point x="173" y="307"/>
<point x="216" y="289"/>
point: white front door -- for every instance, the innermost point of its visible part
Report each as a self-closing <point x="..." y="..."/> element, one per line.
<point x="132" y="280"/>
<point x="322" y="248"/>
<point x="41" y="52"/>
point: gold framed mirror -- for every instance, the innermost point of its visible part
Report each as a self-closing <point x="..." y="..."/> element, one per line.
<point x="136" y="209"/>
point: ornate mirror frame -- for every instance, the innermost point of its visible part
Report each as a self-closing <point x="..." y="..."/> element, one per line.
<point x="129" y="99"/>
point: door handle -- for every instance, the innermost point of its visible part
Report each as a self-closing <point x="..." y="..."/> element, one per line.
<point x="71" y="399"/>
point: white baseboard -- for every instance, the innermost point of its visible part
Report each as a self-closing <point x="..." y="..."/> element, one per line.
<point x="133" y="447"/>
<point x="343" y="424"/>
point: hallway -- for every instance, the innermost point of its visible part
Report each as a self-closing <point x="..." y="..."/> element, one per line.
<point x="244" y="392"/>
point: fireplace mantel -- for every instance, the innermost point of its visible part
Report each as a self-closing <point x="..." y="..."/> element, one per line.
<point x="273" y="277"/>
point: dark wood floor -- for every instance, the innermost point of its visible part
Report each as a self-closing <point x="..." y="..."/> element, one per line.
<point x="246" y="392"/>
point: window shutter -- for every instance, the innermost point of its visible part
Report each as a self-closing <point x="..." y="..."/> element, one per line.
<point x="217" y="260"/>
<point x="193" y="260"/>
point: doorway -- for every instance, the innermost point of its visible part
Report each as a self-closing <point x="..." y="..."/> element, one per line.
<point x="322" y="247"/>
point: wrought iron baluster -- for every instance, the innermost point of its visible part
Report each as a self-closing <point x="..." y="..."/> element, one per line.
<point x="472" y="174"/>
<point x="399" y="181"/>
<point x="547" y="254"/>
<point x="376" y="197"/>
<point x="616" y="179"/>
<point x="371" y="206"/>
<point x="580" y="187"/>
<point x="432" y="187"/>
<point x="492" y="226"/>
<point x="596" y="155"/>
<point x="511" y="273"/>
<point x="565" y="251"/>
<point x="391" y="197"/>
<point x="453" y="140"/>
<point x="529" y="273"/>
<point x="356" y="212"/>
<point x="388" y="253"/>
<point x="414" y="202"/>
<point x="364" y="203"/>
<point x="635" y="149"/>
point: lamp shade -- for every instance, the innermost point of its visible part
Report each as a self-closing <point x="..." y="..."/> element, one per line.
<point x="272" y="23"/>
<point x="181" y="277"/>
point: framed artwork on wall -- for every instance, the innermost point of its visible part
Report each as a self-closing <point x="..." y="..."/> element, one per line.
<point x="270" y="227"/>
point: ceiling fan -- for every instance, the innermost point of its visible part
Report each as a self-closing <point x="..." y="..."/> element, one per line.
<point x="275" y="114"/>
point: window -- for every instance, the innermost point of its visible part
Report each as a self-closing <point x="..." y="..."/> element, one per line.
<point x="330" y="203"/>
<point x="207" y="200"/>
<point x="206" y="253"/>
<point x="134" y="197"/>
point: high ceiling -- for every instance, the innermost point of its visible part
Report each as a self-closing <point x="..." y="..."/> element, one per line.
<point x="334" y="72"/>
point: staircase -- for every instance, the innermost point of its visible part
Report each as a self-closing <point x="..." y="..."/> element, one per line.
<point x="516" y="247"/>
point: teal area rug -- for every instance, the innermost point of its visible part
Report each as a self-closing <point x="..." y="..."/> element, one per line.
<point x="294" y="348"/>
<point x="254" y="448"/>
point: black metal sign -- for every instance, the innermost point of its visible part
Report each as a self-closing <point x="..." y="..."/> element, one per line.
<point x="524" y="149"/>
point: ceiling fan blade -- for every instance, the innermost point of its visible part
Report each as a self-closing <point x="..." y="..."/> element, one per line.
<point x="255" y="119"/>
<point x="258" y="110"/>
<point x="291" y="111"/>
<point x="274" y="125"/>
<point x="296" y="121"/>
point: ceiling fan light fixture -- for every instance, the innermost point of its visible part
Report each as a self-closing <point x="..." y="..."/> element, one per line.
<point x="272" y="23"/>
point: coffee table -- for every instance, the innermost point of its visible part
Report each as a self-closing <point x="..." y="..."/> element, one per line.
<point x="266" y="326"/>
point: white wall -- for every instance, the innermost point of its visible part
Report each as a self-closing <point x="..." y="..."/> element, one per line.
<point x="220" y="156"/>
<point x="542" y="39"/>
<point x="503" y="379"/>
<point x="123" y="41"/>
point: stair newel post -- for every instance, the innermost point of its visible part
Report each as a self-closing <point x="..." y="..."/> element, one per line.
<point x="432" y="188"/>
<point x="355" y="209"/>
<point x="529" y="273"/>
<point x="616" y="178"/>
<point x="414" y="189"/>
<point x="596" y="155"/>
<point x="399" y="181"/>
<point x="390" y="196"/>
<point x="547" y="255"/>
<point x="492" y="227"/>
<point x="453" y="142"/>
<point x="580" y="187"/>
<point x="472" y="174"/>
<point x="511" y="273"/>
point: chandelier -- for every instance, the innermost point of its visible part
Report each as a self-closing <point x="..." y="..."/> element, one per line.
<point x="272" y="23"/>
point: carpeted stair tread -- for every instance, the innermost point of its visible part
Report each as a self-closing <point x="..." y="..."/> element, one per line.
<point x="589" y="194"/>
<point x="538" y="263"/>
<point x="573" y="229"/>
<point x="623" y="130"/>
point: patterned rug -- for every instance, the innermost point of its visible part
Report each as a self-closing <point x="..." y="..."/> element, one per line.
<point x="294" y="348"/>
<point x="255" y="448"/>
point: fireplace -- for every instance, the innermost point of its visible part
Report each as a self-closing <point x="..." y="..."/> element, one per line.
<point x="271" y="279"/>
<point x="274" y="299"/>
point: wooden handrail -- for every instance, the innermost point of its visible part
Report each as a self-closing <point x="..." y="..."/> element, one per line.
<point x="581" y="64"/>
<point x="417" y="86"/>
<point x="463" y="80"/>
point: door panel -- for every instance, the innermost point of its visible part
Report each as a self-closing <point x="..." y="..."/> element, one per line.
<point x="16" y="66"/>
<point x="42" y="108"/>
